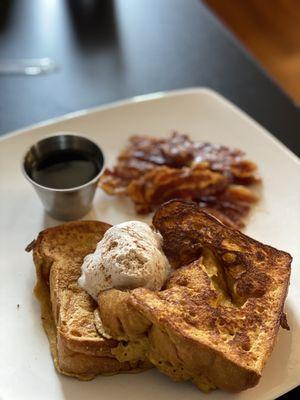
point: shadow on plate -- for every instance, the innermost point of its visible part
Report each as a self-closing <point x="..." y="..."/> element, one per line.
<point x="141" y="386"/>
<point x="50" y="222"/>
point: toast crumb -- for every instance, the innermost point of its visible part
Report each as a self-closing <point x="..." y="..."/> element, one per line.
<point x="30" y="246"/>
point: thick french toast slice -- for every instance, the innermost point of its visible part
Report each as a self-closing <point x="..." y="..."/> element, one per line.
<point x="216" y="321"/>
<point x="67" y="310"/>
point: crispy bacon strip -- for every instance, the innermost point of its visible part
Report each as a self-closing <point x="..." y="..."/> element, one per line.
<point x="165" y="183"/>
<point x="153" y="170"/>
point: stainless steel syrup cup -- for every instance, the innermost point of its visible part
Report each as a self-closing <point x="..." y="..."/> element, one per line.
<point x="64" y="204"/>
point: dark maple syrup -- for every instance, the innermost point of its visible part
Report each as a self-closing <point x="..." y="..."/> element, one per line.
<point x="65" y="169"/>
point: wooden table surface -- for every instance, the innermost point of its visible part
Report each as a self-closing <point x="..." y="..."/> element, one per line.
<point x="111" y="50"/>
<point x="271" y="34"/>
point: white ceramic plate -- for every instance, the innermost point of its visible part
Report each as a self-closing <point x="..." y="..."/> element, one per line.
<point x="26" y="369"/>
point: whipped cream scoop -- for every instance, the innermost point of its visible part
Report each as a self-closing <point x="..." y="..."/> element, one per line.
<point x="128" y="256"/>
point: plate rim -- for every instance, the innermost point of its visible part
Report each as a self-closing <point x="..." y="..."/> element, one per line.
<point x="144" y="98"/>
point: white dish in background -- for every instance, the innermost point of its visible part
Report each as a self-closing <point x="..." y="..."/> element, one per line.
<point x="26" y="366"/>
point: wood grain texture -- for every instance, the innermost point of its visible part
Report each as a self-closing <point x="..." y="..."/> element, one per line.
<point x="271" y="31"/>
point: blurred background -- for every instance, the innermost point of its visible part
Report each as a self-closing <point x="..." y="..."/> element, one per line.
<point x="270" y="30"/>
<point x="59" y="56"/>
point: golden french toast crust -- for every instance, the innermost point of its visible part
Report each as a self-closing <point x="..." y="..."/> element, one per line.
<point x="237" y="309"/>
<point x="247" y="378"/>
<point x="80" y="357"/>
<point x="215" y="322"/>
